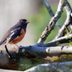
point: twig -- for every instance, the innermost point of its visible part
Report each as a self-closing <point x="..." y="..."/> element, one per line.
<point x="67" y="22"/>
<point x="52" y="22"/>
<point x="46" y="3"/>
<point x="70" y="9"/>
<point x="61" y="40"/>
<point x="69" y="6"/>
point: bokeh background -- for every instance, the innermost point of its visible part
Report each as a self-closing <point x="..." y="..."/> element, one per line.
<point x="36" y="13"/>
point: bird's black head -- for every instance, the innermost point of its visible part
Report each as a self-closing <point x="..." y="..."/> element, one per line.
<point x="23" y="23"/>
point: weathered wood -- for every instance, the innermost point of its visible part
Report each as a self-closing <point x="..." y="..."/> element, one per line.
<point x="3" y="70"/>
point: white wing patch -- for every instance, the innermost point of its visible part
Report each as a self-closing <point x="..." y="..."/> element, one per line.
<point x="8" y="39"/>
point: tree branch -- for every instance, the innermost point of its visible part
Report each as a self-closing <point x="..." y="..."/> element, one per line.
<point x="59" y="41"/>
<point x="46" y="3"/>
<point x="37" y="50"/>
<point x="67" y="22"/>
<point x="52" y="22"/>
<point x="47" y="51"/>
<point x="30" y="52"/>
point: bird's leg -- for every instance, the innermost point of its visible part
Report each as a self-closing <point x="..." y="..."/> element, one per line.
<point x="10" y="56"/>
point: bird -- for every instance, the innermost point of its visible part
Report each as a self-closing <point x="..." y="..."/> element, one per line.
<point x="16" y="33"/>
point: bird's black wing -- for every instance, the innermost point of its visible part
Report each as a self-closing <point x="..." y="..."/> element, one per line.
<point x="15" y="34"/>
<point x="10" y="34"/>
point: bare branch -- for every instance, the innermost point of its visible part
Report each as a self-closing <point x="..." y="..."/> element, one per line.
<point x="46" y="3"/>
<point x="67" y="22"/>
<point x="61" y="40"/>
<point x="68" y="4"/>
<point x="59" y="49"/>
<point x="52" y="22"/>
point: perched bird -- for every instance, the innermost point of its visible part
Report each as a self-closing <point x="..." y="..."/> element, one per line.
<point x="16" y="33"/>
